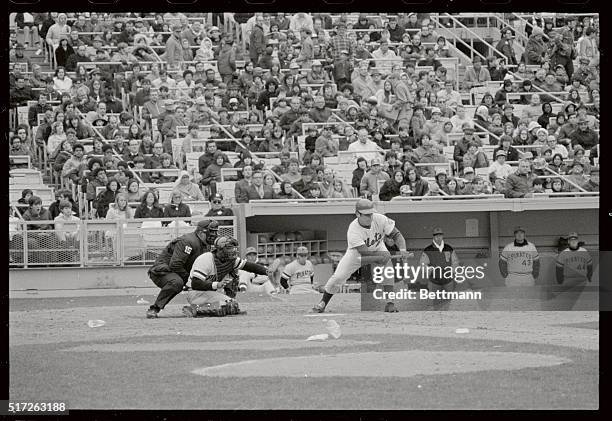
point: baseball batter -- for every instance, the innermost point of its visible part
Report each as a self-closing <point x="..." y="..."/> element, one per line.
<point x="519" y="262"/>
<point x="251" y="282"/>
<point x="574" y="264"/>
<point x="365" y="237"/>
<point x="300" y="273"/>
<point x="214" y="280"/>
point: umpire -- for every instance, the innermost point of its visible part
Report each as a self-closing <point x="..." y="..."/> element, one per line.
<point x="170" y="271"/>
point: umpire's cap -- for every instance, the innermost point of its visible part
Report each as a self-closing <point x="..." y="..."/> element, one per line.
<point x="364" y="206"/>
<point x="207" y="225"/>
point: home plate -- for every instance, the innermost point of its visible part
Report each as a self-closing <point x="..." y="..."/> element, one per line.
<point x="382" y="364"/>
<point x="324" y="314"/>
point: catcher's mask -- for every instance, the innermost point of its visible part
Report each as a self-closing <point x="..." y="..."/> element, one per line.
<point x="226" y="248"/>
<point x="211" y="229"/>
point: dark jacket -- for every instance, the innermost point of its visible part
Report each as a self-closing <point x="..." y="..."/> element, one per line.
<point x="178" y="256"/>
<point x="357" y="176"/>
<point x="54" y="209"/>
<point x="174" y="211"/>
<point x="142" y="211"/>
<point x="252" y="193"/>
<point x="389" y="190"/>
<point x="433" y="257"/>
<point x="103" y="201"/>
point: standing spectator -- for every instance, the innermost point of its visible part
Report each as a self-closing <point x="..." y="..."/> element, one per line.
<point x="149" y="207"/>
<point x="226" y="62"/>
<point x="505" y="46"/>
<point x="369" y="182"/>
<point x="174" y="49"/>
<point x="57" y="31"/>
<point x="257" y="42"/>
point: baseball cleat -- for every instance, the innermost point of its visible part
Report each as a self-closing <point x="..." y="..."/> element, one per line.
<point x="319" y="308"/>
<point x="152" y="313"/>
<point x="190" y="311"/>
<point x="390" y="308"/>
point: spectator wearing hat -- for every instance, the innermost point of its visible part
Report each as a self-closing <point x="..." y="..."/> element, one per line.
<point x="320" y="113"/>
<point x="576" y="178"/>
<point x="226" y="61"/>
<point x="434" y="127"/>
<point x="583" y="135"/>
<point x="476" y="75"/>
<point x="499" y="170"/>
<point x="505" y="144"/>
<point x="369" y="183"/>
<point x="174" y="48"/>
<point x="316" y="75"/>
<point x="218" y="210"/>
<point x="535" y="50"/>
<point x="341" y="42"/>
<point x="519" y="183"/>
<point x="508" y="116"/>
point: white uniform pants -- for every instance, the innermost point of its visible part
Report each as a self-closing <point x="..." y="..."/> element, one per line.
<point x="349" y="263"/>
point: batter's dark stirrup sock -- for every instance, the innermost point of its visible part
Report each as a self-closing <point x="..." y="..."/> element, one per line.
<point x="326" y="297"/>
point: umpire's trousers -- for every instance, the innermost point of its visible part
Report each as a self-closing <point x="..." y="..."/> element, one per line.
<point x="171" y="285"/>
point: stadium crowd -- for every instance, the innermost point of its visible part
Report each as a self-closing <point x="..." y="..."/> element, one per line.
<point x="130" y="98"/>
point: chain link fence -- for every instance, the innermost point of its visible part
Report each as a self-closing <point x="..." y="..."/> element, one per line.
<point x="100" y="243"/>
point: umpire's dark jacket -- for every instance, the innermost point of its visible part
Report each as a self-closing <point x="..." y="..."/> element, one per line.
<point x="179" y="255"/>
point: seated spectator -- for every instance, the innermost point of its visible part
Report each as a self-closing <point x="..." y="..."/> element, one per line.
<point x="391" y="188"/>
<point x="557" y="165"/>
<point x="325" y="145"/>
<point x="576" y="178"/>
<point x="364" y="146"/>
<point x="476" y="75"/>
<point x="149" y="207"/>
<point x="499" y="170"/>
<point x="166" y="164"/>
<point x="518" y="184"/>
<point x="139" y="164"/>
<point x="302" y="186"/>
<point x="453" y="187"/>
<point x="217" y="209"/>
<point x="240" y="188"/>
<point x="26" y="194"/>
<point x="133" y="191"/>
<point x="190" y="190"/>
<point x="63" y="195"/>
<point x="287" y="191"/>
<point x="557" y="185"/>
<point x="480" y="187"/>
<point x="56" y="138"/>
<point x="584" y="135"/>
<point x="257" y="190"/>
<point x="293" y="174"/>
<point x="212" y="174"/>
<point x="106" y="197"/>
<point x="359" y="172"/>
<point x="579" y="156"/>
<point x="66" y="224"/>
<point x="533" y="110"/>
<point x="176" y="208"/>
<point x="73" y="168"/>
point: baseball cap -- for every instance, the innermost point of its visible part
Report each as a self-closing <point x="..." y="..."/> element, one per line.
<point x="507" y="106"/>
<point x="250" y="250"/>
<point x="533" y="125"/>
<point x="232" y="100"/>
<point x="301" y="250"/>
<point x="375" y="161"/>
<point x="572" y="235"/>
<point x="364" y="206"/>
<point x="467" y="127"/>
<point x="437" y="231"/>
<point x="436" y="110"/>
<point x="468" y="170"/>
<point x="519" y="228"/>
<point x="217" y="196"/>
<point x="317" y="63"/>
<point x="294" y="65"/>
<point x="501" y="153"/>
<point x="207" y="224"/>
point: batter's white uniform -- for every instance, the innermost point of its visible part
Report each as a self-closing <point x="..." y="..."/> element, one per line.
<point x="520" y="262"/>
<point x="356" y="236"/>
<point x="203" y="267"/>
<point x="299" y="277"/>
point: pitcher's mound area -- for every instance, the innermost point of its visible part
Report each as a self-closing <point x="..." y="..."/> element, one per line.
<point x="382" y="364"/>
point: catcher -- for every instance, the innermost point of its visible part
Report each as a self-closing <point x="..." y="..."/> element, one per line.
<point x="214" y="280"/>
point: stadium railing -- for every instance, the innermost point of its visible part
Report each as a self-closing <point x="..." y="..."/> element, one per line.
<point x="89" y="243"/>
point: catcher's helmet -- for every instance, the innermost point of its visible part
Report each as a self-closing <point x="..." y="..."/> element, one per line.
<point x="226" y="247"/>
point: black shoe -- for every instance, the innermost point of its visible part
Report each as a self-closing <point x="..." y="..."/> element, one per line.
<point x="390" y="308"/>
<point x="152" y="313"/>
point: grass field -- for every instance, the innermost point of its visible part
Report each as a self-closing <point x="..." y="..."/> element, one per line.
<point x="408" y="360"/>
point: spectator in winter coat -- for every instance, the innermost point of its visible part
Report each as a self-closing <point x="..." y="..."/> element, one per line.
<point x="149" y="207"/>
